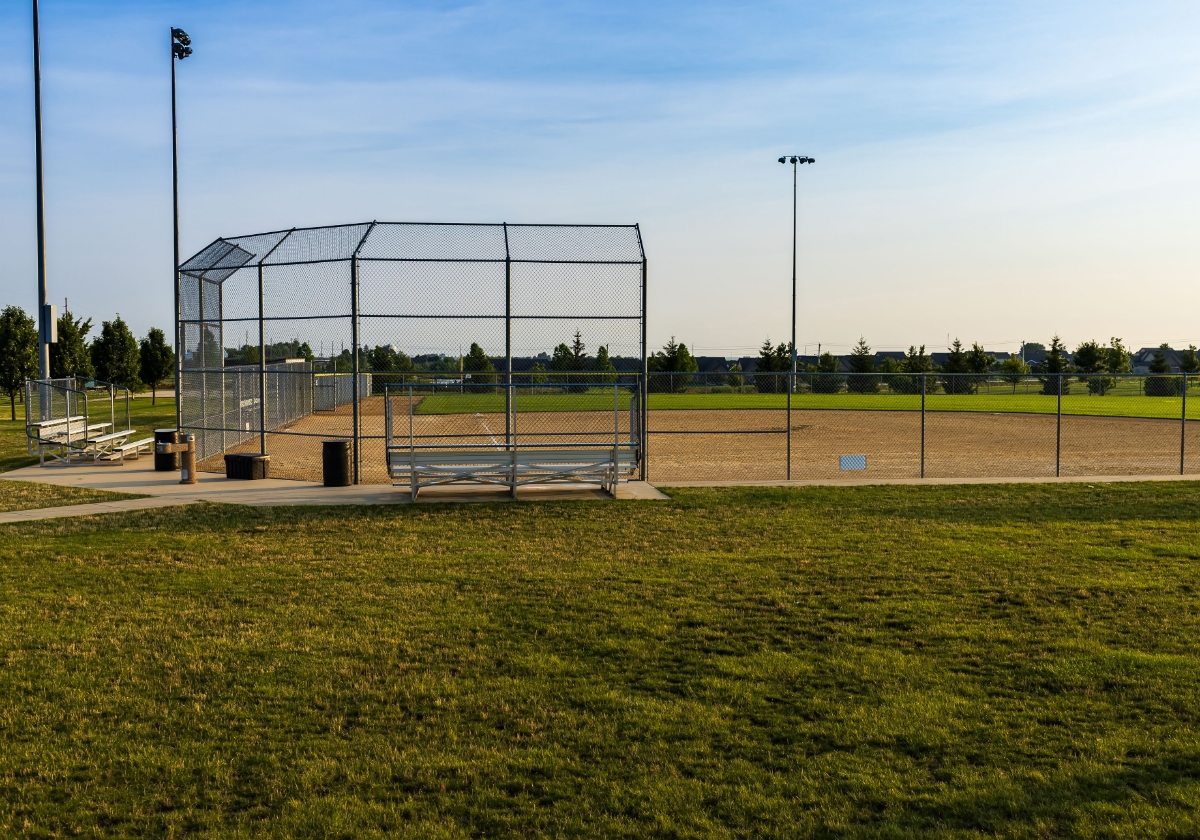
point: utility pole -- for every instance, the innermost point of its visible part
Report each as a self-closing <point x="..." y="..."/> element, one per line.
<point x="46" y="326"/>
<point x="181" y="48"/>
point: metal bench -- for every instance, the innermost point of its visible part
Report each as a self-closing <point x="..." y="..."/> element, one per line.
<point x="512" y="467"/>
<point x="129" y="449"/>
<point x="61" y="419"/>
<point x="116" y="445"/>
<point x="62" y="439"/>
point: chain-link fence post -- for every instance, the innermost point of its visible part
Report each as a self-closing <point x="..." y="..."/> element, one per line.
<point x="922" y="425"/>
<point x="1058" y="432"/>
<point x="788" y="426"/>
<point x="1183" y="427"/>
<point x="508" y="364"/>
<point x="262" y="365"/>
<point x="645" y="407"/>
<point x="354" y="356"/>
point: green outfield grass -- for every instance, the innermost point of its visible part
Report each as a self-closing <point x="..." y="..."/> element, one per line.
<point x="981" y="661"/>
<point x="1073" y="404"/>
<point x="144" y="417"/>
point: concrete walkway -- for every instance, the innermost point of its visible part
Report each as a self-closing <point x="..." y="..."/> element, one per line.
<point x="164" y="490"/>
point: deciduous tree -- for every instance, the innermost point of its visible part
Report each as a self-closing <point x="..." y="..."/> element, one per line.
<point x="117" y="357"/>
<point x="18" y="353"/>
<point x="70" y="356"/>
<point x="157" y="360"/>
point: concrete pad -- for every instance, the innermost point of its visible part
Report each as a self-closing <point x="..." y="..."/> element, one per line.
<point x="140" y="477"/>
<point x="640" y="490"/>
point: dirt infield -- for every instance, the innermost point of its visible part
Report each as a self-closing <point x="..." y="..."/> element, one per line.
<point x="731" y="445"/>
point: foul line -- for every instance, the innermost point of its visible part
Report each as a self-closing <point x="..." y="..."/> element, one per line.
<point x="491" y="434"/>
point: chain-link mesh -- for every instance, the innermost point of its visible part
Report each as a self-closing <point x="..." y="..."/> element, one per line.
<point x="274" y="327"/>
<point x="734" y="426"/>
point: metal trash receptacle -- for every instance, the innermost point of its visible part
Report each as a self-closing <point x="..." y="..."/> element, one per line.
<point x="335" y="463"/>
<point x="165" y="462"/>
<point x="247" y="466"/>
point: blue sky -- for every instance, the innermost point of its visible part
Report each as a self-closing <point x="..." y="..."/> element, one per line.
<point x="993" y="171"/>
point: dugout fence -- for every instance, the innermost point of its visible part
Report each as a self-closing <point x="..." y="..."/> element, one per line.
<point x="292" y="337"/>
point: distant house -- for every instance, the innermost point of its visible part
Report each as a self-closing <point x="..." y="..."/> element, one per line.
<point x="712" y="364"/>
<point x="1140" y="361"/>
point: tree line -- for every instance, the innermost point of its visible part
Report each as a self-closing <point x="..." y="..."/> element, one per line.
<point x="570" y="364"/>
<point x="114" y="355"/>
<point x="965" y="369"/>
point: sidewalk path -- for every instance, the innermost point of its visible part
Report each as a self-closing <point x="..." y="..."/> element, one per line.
<point x="165" y="490"/>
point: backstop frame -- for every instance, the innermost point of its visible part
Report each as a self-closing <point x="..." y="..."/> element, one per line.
<point x="603" y="254"/>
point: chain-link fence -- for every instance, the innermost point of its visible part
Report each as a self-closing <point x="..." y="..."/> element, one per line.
<point x="767" y="426"/>
<point x="294" y="337"/>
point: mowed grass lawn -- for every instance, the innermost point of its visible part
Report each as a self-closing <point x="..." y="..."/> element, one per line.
<point x="972" y="661"/>
<point x="29" y="495"/>
<point x="1169" y="408"/>
<point x="144" y="417"/>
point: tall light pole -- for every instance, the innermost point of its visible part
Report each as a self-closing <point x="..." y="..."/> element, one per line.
<point x="795" y="161"/>
<point x="45" y="327"/>
<point x="181" y="48"/>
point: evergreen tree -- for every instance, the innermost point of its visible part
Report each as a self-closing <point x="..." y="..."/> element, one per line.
<point x="157" y="360"/>
<point x="772" y="360"/>
<point x="1162" y="385"/>
<point x="674" y="359"/>
<point x="1091" y="359"/>
<point x="578" y="354"/>
<point x="1159" y="363"/>
<point x="1188" y="360"/>
<point x="980" y="361"/>
<point x="478" y="367"/>
<point x="915" y="363"/>
<point x="603" y="366"/>
<point x="862" y="363"/>
<point x="18" y="353"/>
<point x="1054" y="366"/>
<point x="954" y="378"/>
<point x="70" y="356"/>
<point x="562" y="362"/>
<point x="116" y="355"/>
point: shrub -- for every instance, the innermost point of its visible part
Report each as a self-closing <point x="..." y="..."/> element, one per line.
<point x="826" y="377"/>
<point x="1162" y="386"/>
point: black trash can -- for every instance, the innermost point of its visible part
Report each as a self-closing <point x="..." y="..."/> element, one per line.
<point x="247" y="466"/>
<point x="168" y="462"/>
<point x="335" y="463"/>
